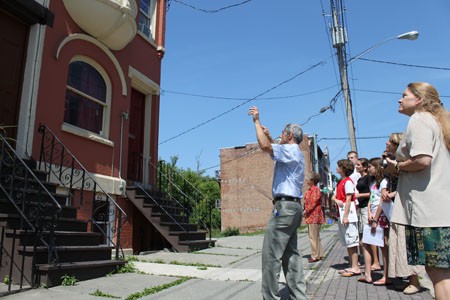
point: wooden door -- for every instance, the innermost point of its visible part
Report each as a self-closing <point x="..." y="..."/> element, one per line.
<point x="136" y="136"/>
<point x="13" y="42"/>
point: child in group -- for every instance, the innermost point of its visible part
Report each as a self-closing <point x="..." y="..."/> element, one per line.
<point x="376" y="218"/>
<point x="348" y="229"/>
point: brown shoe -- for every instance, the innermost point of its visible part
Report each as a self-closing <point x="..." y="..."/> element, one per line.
<point x="411" y="290"/>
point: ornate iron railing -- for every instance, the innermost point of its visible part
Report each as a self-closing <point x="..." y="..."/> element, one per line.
<point x="30" y="209"/>
<point x="194" y="203"/>
<point x="107" y="216"/>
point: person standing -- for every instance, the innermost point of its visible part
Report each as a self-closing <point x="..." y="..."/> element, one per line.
<point x="423" y="190"/>
<point x="314" y="216"/>
<point x="353" y="157"/>
<point x="398" y="263"/>
<point x="348" y="229"/>
<point x="280" y="248"/>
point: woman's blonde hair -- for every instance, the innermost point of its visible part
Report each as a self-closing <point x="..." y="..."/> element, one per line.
<point x="432" y="103"/>
<point x="395" y="138"/>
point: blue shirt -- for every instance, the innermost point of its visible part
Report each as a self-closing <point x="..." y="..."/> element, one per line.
<point x="289" y="170"/>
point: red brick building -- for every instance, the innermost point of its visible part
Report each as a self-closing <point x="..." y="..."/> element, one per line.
<point x="246" y="183"/>
<point x="90" y="71"/>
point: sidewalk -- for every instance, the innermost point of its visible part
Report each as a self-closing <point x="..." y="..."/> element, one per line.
<point x="231" y="270"/>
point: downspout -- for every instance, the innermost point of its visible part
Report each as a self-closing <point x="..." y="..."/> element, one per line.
<point x="123" y="116"/>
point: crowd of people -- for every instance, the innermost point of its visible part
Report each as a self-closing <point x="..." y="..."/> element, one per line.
<point x="396" y="203"/>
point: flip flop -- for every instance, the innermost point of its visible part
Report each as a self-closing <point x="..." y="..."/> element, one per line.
<point x="344" y="271"/>
<point x="381" y="283"/>
<point x="350" y="273"/>
<point x="363" y="279"/>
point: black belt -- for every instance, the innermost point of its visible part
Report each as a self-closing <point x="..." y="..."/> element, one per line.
<point x="286" y="198"/>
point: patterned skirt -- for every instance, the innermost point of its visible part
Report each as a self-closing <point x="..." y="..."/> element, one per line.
<point x="428" y="246"/>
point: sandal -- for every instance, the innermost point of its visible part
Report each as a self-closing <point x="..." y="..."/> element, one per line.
<point x="364" y="279"/>
<point x="350" y="273"/>
<point x="381" y="283"/>
<point x="313" y="260"/>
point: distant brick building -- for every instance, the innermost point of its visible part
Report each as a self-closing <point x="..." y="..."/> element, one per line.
<point x="246" y="184"/>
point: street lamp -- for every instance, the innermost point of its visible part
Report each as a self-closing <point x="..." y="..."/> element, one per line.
<point x="412" y="35"/>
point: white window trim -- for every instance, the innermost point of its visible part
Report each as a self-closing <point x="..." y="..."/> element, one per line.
<point x="85" y="134"/>
<point x="104" y="136"/>
<point x="151" y="38"/>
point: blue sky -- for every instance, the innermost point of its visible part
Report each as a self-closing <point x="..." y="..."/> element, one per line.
<point x="254" y="48"/>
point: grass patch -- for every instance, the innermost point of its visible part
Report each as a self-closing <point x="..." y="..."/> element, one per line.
<point x="99" y="293"/>
<point x="174" y="262"/>
<point x="156" y="289"/>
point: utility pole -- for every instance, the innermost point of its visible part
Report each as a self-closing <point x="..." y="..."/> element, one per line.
<point x="339" y="37"/>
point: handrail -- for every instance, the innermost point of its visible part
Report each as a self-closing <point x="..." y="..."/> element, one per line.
<point x="162" y="208"/>
<point x="79" y="178"/>
<point x="15" y="180"/>
<point x="186" y="206"/>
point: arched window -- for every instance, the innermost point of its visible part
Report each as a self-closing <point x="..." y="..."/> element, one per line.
<point x="86" y="104"/>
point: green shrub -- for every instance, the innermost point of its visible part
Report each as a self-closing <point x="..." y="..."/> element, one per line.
<point x="230" y="231"/>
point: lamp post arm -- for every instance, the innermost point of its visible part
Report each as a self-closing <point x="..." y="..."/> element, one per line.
<point x="369" y="49"/>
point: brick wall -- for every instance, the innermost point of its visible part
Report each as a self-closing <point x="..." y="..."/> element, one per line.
<point x="246" y="186"/>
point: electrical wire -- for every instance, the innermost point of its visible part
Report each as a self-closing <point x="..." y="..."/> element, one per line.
<point x="391" y="93"/>
<point x="253" y="150"/>
<point x="237" y="106"/>
<point x="358" y="138"/>
<point x="214" y="10"/>
<point x="241" y="99"/>
<point x="404" y="65"/>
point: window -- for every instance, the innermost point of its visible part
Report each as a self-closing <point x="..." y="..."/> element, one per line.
<point x="146" y="12"/>
<point x="86" y="104"/>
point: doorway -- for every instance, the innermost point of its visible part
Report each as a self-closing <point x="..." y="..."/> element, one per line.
<point x="136" y="137"/>
<point x="13" y="41"/>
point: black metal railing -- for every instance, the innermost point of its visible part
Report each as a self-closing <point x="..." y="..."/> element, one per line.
<point x="28" y="210"/>
<point x="162" y="207"/>
<point x="195" y="205"/>
<point x="63" y="167"/>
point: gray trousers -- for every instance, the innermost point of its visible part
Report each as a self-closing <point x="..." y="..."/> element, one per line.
<point x="280" y="249"/>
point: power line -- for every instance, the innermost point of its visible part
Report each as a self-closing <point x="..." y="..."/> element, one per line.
<point x="391" y="93"/>
<point x="358" y="138"/>
<point x="404" y="65"/>
<point x="207" y="10"/>
<point x="252" y="150"/>
<point x="241" y="99"/>
<point x="237" y="106"/>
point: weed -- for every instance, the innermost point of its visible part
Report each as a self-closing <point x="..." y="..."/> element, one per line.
<point x="67" y="280"/>
<point x="174" y="262"/>
<point x="99" y="293"/>
<point x="132" y="258"/>
<point x="155" y="289"/>
<point x="127" y="268"/>
<point x="230" y="231"/>
<point x="7" y="279"/>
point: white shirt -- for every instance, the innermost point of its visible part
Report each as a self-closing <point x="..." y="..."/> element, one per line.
<point x="289" y="170"/>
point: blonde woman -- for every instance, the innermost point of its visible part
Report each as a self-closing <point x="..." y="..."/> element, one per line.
<point x="422" y="202"/>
